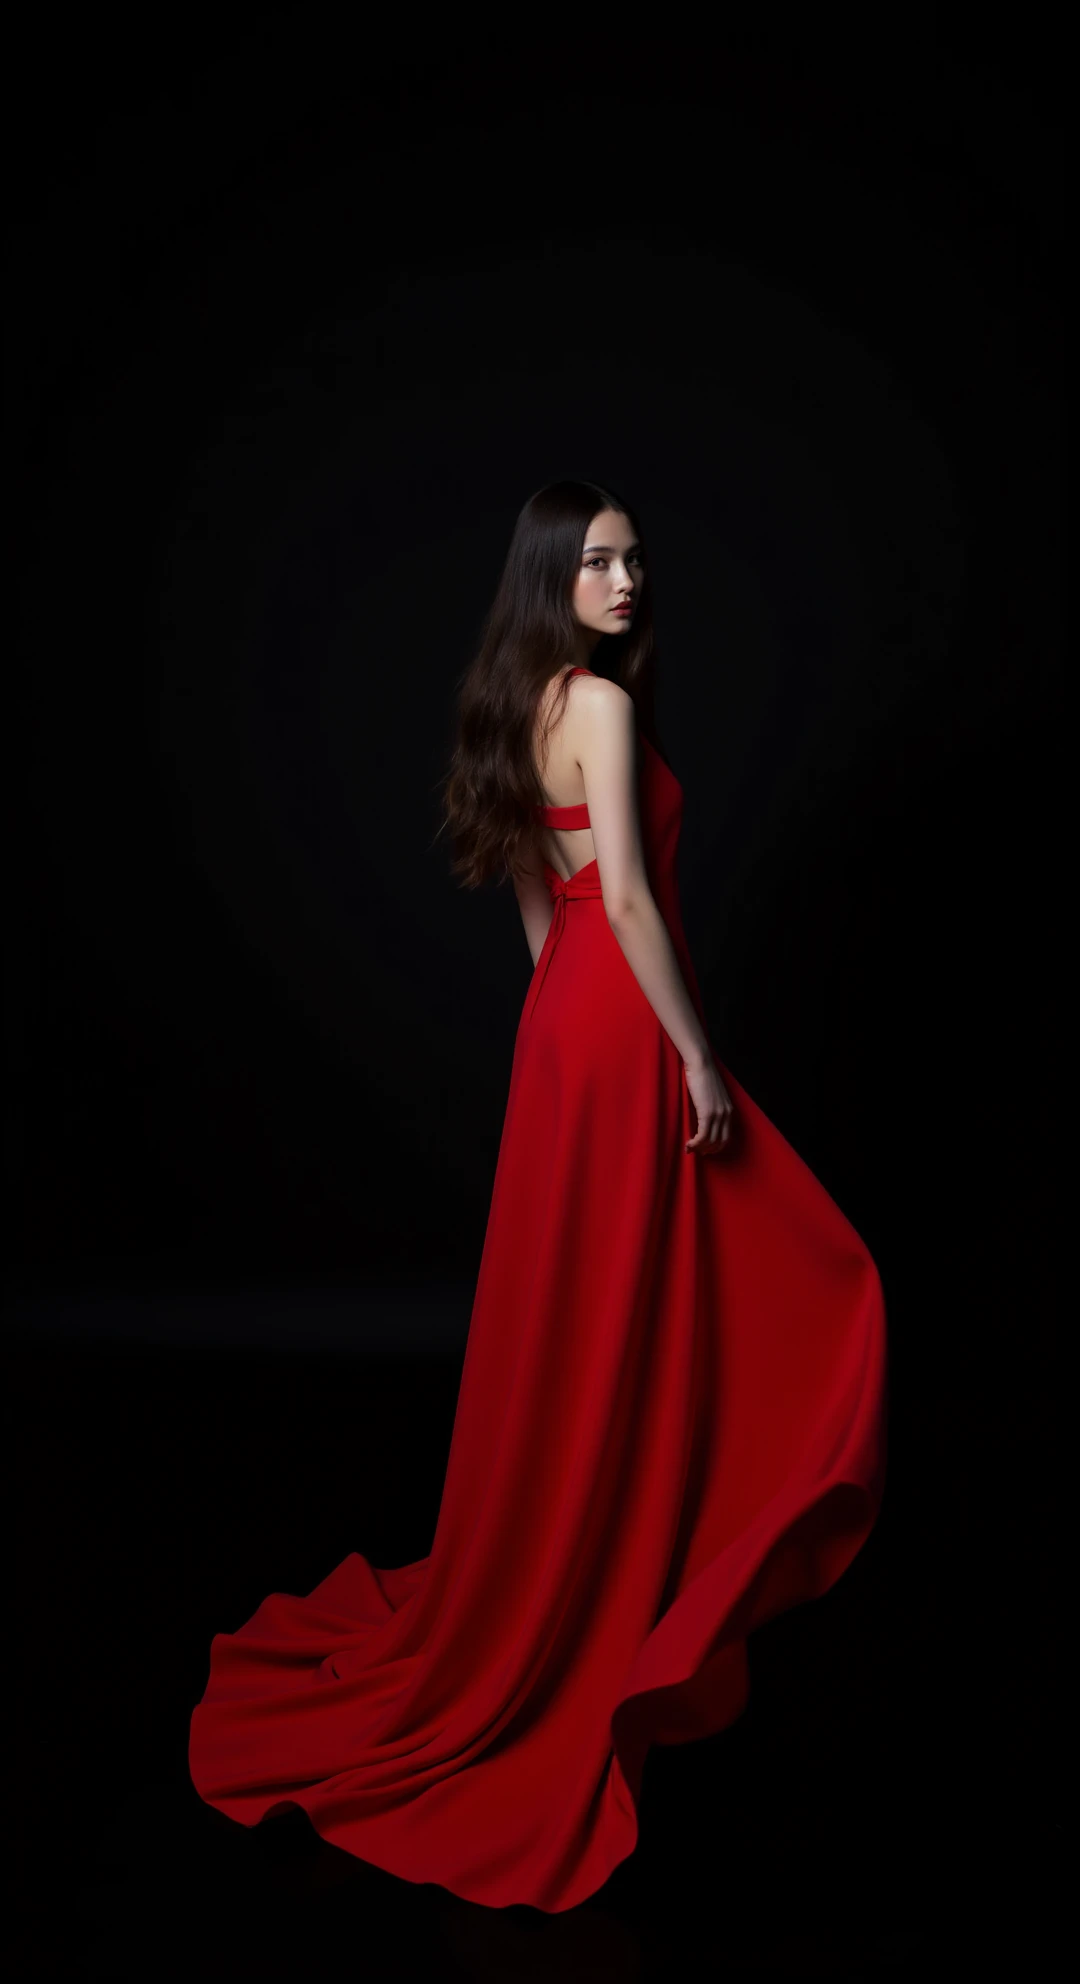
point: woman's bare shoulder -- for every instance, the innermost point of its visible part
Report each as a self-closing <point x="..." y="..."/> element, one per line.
<point x="597" y="701"/>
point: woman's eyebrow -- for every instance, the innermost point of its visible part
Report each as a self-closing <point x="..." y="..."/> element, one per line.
<point x="609" y="547"/>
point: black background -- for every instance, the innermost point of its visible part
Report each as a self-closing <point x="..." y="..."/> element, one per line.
<point x="298" y="322"/>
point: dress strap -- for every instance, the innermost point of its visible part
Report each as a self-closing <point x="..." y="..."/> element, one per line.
<point x="563" y="816"/>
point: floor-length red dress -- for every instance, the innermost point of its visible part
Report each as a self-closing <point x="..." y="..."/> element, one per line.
<point x="671" y="1426"/>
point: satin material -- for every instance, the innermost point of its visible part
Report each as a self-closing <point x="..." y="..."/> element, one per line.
<point x="564" y="816"/>
<point x="582" y="887"/>
<point x="671" y="1426"/>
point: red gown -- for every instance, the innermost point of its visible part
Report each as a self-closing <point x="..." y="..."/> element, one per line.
<point x="671" y="1426"/>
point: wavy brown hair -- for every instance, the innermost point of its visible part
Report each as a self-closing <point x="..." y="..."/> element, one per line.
<point x="528" y="636"/>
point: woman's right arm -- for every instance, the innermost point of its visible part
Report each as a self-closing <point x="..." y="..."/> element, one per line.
<point x="605" y="744"/>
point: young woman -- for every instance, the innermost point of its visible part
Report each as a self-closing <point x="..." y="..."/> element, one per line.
<point x="671" y="1421"/>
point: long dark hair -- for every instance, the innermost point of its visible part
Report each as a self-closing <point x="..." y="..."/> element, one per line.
<point x="528" y="636"/>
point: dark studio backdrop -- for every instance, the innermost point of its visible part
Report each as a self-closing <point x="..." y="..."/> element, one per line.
<point x="298" y="326"/>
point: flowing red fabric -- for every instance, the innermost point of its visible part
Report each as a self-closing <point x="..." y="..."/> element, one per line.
<point x="671" y="1426"/>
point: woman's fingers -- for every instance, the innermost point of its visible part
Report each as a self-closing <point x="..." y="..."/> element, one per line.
<point x="713" y="1131"/>
<point x="711" y="1107"/>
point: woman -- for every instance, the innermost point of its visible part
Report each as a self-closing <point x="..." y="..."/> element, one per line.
<point x="671" y="1420"/>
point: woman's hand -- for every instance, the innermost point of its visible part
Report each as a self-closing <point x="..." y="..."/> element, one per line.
<point x="712" y="1106"/>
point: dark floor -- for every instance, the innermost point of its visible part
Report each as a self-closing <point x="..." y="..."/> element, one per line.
<point x="883" y="1808"/>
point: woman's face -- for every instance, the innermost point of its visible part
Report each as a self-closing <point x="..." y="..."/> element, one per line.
<point x="610" y="575"/>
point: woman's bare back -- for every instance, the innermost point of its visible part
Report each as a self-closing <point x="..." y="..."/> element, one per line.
<point x="566" y="848"/>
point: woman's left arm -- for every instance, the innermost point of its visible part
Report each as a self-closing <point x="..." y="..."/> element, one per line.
<point x="534" y="903"/>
